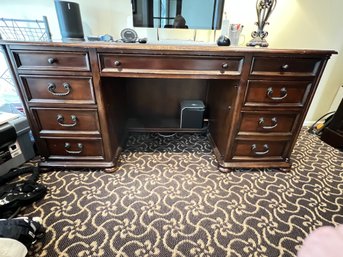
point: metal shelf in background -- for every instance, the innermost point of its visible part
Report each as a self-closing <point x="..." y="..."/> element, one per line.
<point x="17" y="30"/>
<point x="25" y="30"/>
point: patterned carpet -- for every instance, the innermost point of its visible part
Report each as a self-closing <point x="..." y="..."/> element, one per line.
<point x="169" y="199"/>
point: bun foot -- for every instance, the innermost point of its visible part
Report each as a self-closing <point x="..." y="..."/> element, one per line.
<point x="224" y="169"/>
<point x="110" y="170"/>
<point x="285" y="169"/>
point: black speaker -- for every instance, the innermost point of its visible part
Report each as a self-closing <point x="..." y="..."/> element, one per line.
<point x="191" y="114"/>
<point x="69" y="19"/>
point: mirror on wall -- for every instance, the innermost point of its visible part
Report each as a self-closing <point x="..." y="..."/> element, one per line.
<point x="193" y="14"/>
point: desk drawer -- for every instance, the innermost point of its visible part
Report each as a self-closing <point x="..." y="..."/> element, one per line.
<point x="268" y="122"/>
<point x="59" y="89"/>
<point x="254" y="150"/>
<point x="66" y="148"/>
<point x="277" y="93"/>
<point x="285" y="66"/>
<point x="116" y="63"/>
<point x="51" y="60"/>
<point x="81" y="120"/>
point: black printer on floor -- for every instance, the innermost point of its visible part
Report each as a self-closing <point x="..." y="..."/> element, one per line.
<point x="16" y="146"/>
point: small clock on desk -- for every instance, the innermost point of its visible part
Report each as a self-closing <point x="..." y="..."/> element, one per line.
<point x="129" y="35"/>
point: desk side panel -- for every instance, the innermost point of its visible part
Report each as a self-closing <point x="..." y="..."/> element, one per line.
<point x="111" y="99"/>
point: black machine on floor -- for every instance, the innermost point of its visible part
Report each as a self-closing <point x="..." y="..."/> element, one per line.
<point x="333" y="132"/>
<point x="16" y="146"/>
<point x="14" y="196"/>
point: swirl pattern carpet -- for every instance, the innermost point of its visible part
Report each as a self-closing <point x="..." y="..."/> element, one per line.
<point x="168" y="199"/>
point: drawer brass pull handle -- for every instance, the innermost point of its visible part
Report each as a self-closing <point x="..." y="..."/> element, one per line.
<point x="117" y="63"/>
<point x="283" y="94"/>
<point x="265" y="148"/>
<point x="225" y="65"/>
<point x="52" y="88"/>
<point x="261" y="123"/>
<point x="60" y="121"/>
<point x="284" y="67"/>
<point x="67" y="147"/>
<point x="52" y="60"/>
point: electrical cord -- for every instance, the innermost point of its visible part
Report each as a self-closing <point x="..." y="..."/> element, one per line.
<point x="314" y="130"/>
<point x="166" y="135"/>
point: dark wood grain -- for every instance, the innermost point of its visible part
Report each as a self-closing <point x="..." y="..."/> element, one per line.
<point x="268" y="122"/>
<point x="285" y="66"/>
<point x="297" y="93"/>
<point x="120" y="62"/>
<point x="119" y="88"/>
<point x="243" y="150"/>
<point x="51" y="60"/>
<point x="36" y="89"/>
<point x="221" y="98"/>
<point x="90" y="150"/>
<point x="59" y="120"/>
<point x="113" y="116"/>
<point x="161" y="98"/>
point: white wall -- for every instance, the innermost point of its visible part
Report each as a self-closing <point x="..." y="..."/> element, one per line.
<point x="336" y="102"/>
<point x="304" y="24"/>
<point x="294" y="24"/>
<point x="98" y="17"/>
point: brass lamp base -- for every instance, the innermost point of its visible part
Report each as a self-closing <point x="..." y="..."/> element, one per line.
<point x="263" y="9"/>
<point x="258" y="41"/>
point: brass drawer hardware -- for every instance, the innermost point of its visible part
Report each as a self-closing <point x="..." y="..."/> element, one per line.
<point x="52" y="88"/>
<point x="265" y="148"/>
<point x="261" y="123"/>
<point x="284" y="67"/>
<point x="283" y="94"/>
<point x="67" y="146"/>
<point x="117" y="63"/>
<point x="52" y="60"/>
<point x="60" y="121"/>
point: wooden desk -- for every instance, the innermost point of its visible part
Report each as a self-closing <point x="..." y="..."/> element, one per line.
<point x="82" y="99"/>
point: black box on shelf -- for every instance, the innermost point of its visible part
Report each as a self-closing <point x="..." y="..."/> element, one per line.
<point x="192" y="114"/>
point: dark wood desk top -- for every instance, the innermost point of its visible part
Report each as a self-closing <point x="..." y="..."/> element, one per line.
<point x="172" y="47"/>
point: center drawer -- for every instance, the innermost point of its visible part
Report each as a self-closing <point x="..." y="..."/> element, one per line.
<point x="139" y="63"/>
